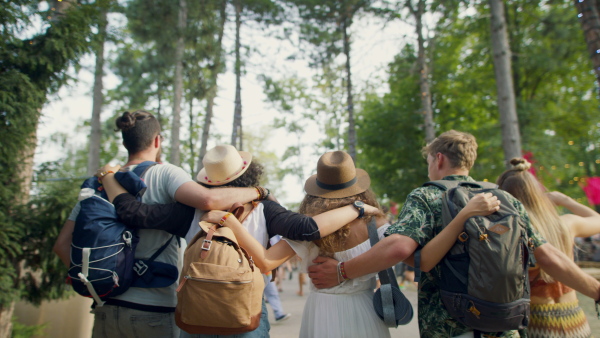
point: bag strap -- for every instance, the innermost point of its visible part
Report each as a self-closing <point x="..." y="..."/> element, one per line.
<point x="388" y="282"/>
<point x="239" y="211"/>
<point x="446" y="185"/>
<point x="141" y="168"/>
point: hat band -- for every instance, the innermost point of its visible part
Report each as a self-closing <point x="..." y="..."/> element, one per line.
<point x="336" y="186"/>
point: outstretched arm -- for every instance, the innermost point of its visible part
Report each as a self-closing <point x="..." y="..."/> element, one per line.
<point x="175" y="218"/>
<point x="266" y="260"/>
<point x="199" y="197"/>
<point x="563" y="269"/>
<point x="584" y="222"/>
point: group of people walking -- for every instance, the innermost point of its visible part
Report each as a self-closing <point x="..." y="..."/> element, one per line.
<point x="329" y="234"/>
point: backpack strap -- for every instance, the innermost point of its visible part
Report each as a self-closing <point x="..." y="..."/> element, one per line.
<point x="443" y="184"/>
<point x="141" y="168"/>
<point x="417" y="277"/>
<point x="448" y="184"/>
<point x="141" y="266"/>
<point x="240" y="211"/>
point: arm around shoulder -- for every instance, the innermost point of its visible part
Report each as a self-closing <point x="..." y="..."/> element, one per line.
<point x="199" y="197"/>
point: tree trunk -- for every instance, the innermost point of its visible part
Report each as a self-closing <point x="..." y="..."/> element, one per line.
<point x="511" y="138"/>
<point x="236" y="134"/>
<point x="174" y="157"/>
<point x="351" y="125"/>
<point x="6" y="314"/>
<point x="212" y="91"/>
<point x="424" y="74"/>
<point x="98" y="99"/>
<point x="590" y="23"/>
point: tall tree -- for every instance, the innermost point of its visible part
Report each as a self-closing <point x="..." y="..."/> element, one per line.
<point x="98" y="96"/>
<point x="418" y="12"/>
<point x="215" y="68"/>
<point x="178" y="86"/>
<point x="31" y="68"/>
<point x="236" y="133"/>
<point x="266" y="12"/>
<point x="326" y="25"/>
<point x="590" y="24"/>
<point x="509" y="122"/>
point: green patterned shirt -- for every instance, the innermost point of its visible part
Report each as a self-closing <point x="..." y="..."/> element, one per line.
<point x="421" y="220"/>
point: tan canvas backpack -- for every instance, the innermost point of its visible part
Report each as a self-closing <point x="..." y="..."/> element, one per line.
<point x="220" y="289"/>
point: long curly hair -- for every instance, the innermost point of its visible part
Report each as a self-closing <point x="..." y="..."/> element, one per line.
<point x="313" y="205"/>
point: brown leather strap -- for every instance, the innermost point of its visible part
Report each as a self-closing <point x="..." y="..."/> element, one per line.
<point x="208" y="241"/>
<point x="239" y="211"/>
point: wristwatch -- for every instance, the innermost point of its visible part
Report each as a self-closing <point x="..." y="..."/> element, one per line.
<point x="360" y="206"/>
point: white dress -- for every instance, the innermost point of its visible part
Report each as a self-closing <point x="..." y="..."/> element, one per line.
<point x="345" y="310"/>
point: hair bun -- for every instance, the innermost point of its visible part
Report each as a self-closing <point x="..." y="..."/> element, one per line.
<point x="125" y="121"/>
<point x="519" y="163"/>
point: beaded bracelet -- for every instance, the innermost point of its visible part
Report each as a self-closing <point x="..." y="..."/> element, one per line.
<point x="224" y="218"/>
<point x="342" y="272"/>
<point x="257" y="192"/>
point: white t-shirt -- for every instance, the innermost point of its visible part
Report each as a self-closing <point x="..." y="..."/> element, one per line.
<point x="162" y="181"/>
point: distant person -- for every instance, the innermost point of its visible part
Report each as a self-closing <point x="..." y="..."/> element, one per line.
<point x="449" y="157"/>
<point x="345" y="310"/>
<point x="225" y="167"/>
<point x="555" y="310"/>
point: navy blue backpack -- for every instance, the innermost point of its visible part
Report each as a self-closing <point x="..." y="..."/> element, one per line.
<point x="103" y="263"/>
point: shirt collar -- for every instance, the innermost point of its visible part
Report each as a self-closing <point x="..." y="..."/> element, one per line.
<point x="458" y="178"/>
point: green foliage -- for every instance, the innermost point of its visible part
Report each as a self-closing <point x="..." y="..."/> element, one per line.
<point x="556" y="99"/>
<point x="31" y="68"/>
<point x="26" y="331"/>
<point x="48" y="210"/>
<point x="390" y="133"/>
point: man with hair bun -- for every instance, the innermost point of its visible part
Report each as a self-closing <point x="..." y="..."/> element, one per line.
<point x="449" y="157"/>
<point x="149" y="312"/>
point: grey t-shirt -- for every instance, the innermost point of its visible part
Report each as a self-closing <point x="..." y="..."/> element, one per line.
<point x="162" y="180"/>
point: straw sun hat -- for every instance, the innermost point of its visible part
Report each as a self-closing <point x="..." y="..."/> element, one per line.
<point x="337" y="177"/>
<point x="223" y="164"/>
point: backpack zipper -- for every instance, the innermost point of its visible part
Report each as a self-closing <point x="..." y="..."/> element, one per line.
<point x="186" y="278"/>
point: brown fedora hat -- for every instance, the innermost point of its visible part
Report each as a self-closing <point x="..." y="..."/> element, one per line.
<point x="337" y="177"/>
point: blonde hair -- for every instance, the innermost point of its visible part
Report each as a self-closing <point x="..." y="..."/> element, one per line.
<point x="542" y="212"/>
<point x="459" y="147"/>
<point x="314" y="205"/>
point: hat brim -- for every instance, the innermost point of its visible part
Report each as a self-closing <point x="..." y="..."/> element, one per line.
<point x="204" y="179"/>
<point x="363" y="182"/>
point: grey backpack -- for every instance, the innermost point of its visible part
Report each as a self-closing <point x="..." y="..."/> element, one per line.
<point x="484" y="277"/>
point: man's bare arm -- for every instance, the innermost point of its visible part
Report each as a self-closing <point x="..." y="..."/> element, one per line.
<point x="199" y="197"/>
<point x="388" y="252"/>
<point x="563" y="269"/>
<point x="62" y="247"/>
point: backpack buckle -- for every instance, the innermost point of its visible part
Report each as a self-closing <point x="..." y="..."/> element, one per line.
<point x="140" y="267"/>
<point x="206" y="244"/>
<point x="463" y="237"/>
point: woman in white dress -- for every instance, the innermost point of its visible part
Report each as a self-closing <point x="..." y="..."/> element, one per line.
<point x="345" y="310"/>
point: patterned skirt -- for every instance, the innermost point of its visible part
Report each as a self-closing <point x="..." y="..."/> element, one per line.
<point x="564" y="320"/>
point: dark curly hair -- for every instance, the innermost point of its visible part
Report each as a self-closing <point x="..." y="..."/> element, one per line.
<point x="250" y="178"/>
<point x="138" y="130"/>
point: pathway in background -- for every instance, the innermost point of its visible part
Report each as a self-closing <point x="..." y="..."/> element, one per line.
<point x="294" y="304"/>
